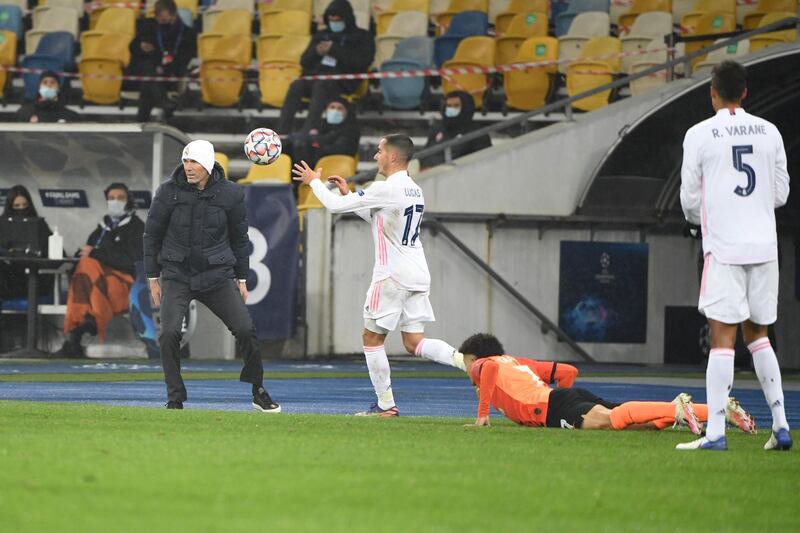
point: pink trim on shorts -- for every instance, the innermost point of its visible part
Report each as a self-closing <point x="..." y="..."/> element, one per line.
<point x="376" y="296"/>
<point x="382" y="255"/>
<point x="704" y="221"/>
<point x="704" y="278"/>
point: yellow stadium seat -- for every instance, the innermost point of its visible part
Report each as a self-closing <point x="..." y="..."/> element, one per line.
<point x="274" y="78"/>
<point x="337" y="165"/>
<point x="223" y="161"/>
<point x="731" y="52"/>
<point x="704" y="7"/>
<point x="233" y="28"/>
<point x="751" y="20"/>
<point x="471" y="52"/>
<point x="96" y="88"/>
<point x="759" y="42"/>
<point x="97" y="13"/>
<point x="116" y="21"/>
<point x="708" y="24"/>
<point x="8" y="56"/>
<point x="223" y="59"/>
<point x="278" y="172"/>
<point x="286" y="23"/>
<point x="584" y="26"/>
<point x="284" y="47"/>
<point x="648" y="27"/>
<point x="515" y="7"/>
<point x="383" y="19"/>
<point x="528" y="89"/>
<point x="306" y="199"/>
<point x="523" y="26"/>
<point x="272" y="6"/>
<point x="586" y="73"/>
<point x="458" y="6"/>
<point x="638" y="7"/>
<point x="106" y="45"/>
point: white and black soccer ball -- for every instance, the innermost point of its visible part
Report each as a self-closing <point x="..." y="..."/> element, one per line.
<point x="262" y="146"/>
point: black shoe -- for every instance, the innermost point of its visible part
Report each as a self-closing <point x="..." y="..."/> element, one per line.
<point x="70" y="350"/>
<point x="262" y="402"/>
<point x="174" y="405"/>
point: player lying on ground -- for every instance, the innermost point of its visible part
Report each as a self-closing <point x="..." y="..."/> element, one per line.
<point x="517" y="388"/>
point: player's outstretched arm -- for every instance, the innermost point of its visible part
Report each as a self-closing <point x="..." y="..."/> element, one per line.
<point x="366" y="199"/>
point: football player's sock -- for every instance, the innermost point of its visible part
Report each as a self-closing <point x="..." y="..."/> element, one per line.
<point x="769" y="375"/>
<point x="630" y="413"/>
<point x="380" y="375"/>
<point x="440" y="352"/>
<point x="719" y="380"/>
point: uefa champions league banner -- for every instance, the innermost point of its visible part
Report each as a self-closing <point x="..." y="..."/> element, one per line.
<point x="602" y="294"/>
<point x="274" y="240"/>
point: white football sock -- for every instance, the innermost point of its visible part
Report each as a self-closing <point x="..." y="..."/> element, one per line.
<point x="440" y="352"/>
<point x="380" y="374"/>
<point x="719" y="380"/>
<point x="769" y="375"/>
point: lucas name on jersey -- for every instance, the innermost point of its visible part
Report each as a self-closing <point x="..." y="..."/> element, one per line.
<point x="740" y="131"/>
<point x="412" y="192"/>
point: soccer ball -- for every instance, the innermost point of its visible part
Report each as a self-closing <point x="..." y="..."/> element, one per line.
<point x="262" y="146"/>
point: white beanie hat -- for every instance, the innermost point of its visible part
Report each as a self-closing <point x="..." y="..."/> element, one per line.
<point x="202" y="152"/>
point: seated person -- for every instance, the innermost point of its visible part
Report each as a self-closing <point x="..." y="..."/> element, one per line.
<point x="103" y="277"/>
<point x="342" y="48"/>
<point x="335" y="133"/>
<point x="457" y="112"/>
<point x="518" y="388"/>
<point x="48" y="106"/>
<point x="163" y="46"/>
<point x="14" y="278"/>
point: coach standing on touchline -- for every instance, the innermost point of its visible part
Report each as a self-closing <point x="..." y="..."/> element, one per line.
<point x="195" y="240"/>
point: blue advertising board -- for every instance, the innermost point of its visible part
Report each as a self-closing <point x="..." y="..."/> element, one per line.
<point x="602" y="293"/>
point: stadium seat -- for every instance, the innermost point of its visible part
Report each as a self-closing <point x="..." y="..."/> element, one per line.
<point x="222" y="68"/>
<point x="100" y="60"/>
<point x="586" y="73"/>
<point x="279" y="172"/>
<point x="117" y="21"/>
<point x="285" y="48"/>
<point x="384" y="19"/>
<point x="764" y="40"/>
<point x="703" y="8"/>
<point x="273" y="6"/>
<point x="514" y="7"/>
<point x="56" y="51"/>
<point x="230" y="27"/>
<point x="186" y="16"/>
<point x="48" y="19"/>
<point x="279" y="65"/>
<point x="231" y="22"/>
<point x="463" y="25"/>
<point x="657" y="55"/>
<point x="763" y="7"/>
<point x="8" y="57"/>
<point x="563" y="21"/>
<point x="733" y="51"/>
<point x="190" y="5"/>
<point x="647" y="27"/>
<point x="584" y="27"/>
<point x="529" y="89"/>
<point x="627" y="19"/>
<point x="708" y="24"/>
<point x="455" y="7"/>
<point x="403" y="25"/>
<point x="472" y="52"/>
<point x="98" y="8"/>
<point x="11" y="20"/>
<point x="522" y="26"/>
<point x="413" y="53"/>
<point x="289" y="22"/>
<point x="330" y="165"/>
<point x="78" y="5"/>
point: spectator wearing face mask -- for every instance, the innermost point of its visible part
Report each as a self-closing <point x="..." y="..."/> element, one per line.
<point x="336" y="132"/>
<point x="342" y="48"/>
<point x="48" y="106"/>
<point x="163" y="46"/>
<point x="102" y="279"/>
<point x="457" y="112"/>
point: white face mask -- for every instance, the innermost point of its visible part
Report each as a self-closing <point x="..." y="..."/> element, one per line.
<point x="451" y="112"/>
<point x="334" y="116"/>
<point x="116" y="208"/>
<point x="48" y="93"/>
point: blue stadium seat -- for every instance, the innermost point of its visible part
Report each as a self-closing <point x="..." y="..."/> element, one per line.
<point x="56" y="51"/>
<point x="465" y="24"/>
<point x="556" y="8"/>
<point x="410" y="54"/>
<point x="564" y="18"/>
<point x="11" y="20"/>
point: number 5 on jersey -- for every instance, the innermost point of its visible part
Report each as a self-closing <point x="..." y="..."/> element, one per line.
<point x="410" y="212"/>
<point x="741" y="166"/>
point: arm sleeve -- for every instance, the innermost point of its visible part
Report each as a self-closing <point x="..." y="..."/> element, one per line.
<point x="488" y="384"/>
<point x="237" y="228"/>
<point x="691" y="180"/>
<point x="781" y="176"/>
<point x="154" y="230"/>
<point x="93" y="236"/>
<point x="357" y="55"/>
<point x="550" y="371"/>
<point x="371" y="198"/>
<point x="310" y="59"/>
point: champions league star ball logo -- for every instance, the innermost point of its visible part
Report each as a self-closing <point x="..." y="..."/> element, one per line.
<point x="604" y="276"/>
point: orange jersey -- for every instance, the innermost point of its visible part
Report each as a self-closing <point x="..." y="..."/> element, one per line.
<point x="513" y="386"/>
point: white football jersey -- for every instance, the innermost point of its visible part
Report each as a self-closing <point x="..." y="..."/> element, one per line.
<point x="732" y="179"/>
<point x="394" y="208"/>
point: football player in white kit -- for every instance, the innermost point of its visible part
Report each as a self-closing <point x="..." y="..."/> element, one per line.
<point x="733" y="178"/>
<point x="398" y="294"/>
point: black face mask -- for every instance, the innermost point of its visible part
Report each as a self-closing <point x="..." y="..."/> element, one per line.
<point x="166" y="27"/>
<point x="24" y="212"/>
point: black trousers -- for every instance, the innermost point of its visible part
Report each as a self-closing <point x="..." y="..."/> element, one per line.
<point x="154" y="94"/>
<point x="225" y="302"/>
<point x="320" y="92"/>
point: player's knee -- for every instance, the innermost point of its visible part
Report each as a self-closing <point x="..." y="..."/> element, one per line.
<point x="411" y="345"/>
<point x="168" y="338"/>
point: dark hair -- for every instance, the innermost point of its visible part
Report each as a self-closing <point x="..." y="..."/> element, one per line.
<point x="402" y="144"/>
<point x="165" y="5"/>
<point x="122" y="186"/>
<point x="482" y="345"/>
<point x="729" y="79"/>
<point x="15" y="192"/>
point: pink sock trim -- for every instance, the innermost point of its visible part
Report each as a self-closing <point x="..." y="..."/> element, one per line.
<point x="372" y="349"/>
<point x="759" y="345"/>
<point x="721" y="352"/>
<point x="418" y="349"/>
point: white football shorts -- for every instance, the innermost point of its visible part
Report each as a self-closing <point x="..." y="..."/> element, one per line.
<point x="389" y="305"/>
<point x="734" y="293"/>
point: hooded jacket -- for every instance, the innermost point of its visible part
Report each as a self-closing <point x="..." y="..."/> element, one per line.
<point x="450" y="128"/>
<point x="197" y="237"/>
<point x="47" y="110"/>
<point x="352" y="51"/>
<point x="333" y="139"/>
<point x="118" y="244"/>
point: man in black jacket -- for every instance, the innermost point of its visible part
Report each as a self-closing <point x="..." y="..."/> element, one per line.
<point x="457" y="113"/>
<point x="48" y="106"/>
<point x="102" y="279"/>
<point x="196" y="242"/>
<point x="340" y="49"/>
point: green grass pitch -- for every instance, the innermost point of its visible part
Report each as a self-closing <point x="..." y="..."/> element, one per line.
<point x="86" y="468"/>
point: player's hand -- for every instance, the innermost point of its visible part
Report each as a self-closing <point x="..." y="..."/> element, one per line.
<point x="479" y="422"/>
<point x="243" y="290"/>
<point x="147" y="47"/>
<point x="341" y="183"/>
<point x="85" y="251"/>
<point x="155" y="293"/>
<point x="302" y="172"/>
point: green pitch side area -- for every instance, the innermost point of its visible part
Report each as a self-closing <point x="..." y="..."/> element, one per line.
<point x="90" y="468"/>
